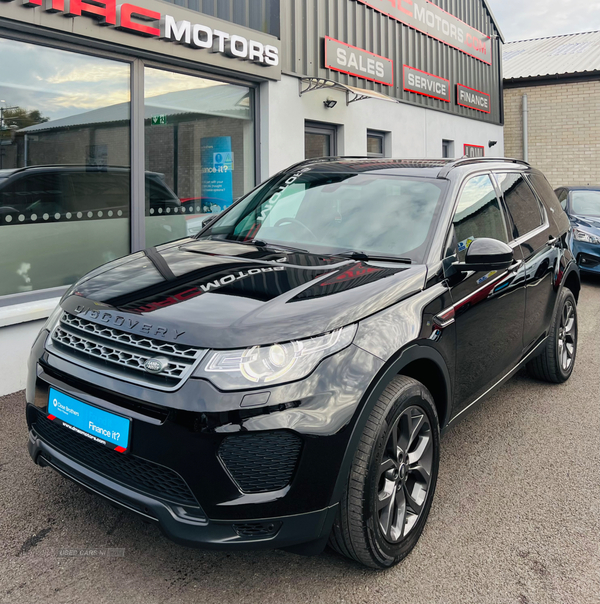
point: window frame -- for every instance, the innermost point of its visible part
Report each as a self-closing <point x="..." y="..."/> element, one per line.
<point x="330" y="130"/>
<point x="380" y="136"/>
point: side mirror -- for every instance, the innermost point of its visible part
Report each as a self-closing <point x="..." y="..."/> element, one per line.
<point x="486" y="255"/>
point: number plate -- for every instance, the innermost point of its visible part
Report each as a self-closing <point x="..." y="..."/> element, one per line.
<point x="96" y="424"/>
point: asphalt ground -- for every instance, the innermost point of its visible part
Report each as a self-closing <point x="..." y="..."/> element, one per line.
<point x="516" y="519"/>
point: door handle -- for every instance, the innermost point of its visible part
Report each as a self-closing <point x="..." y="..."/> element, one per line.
<point x="553" y="241"/>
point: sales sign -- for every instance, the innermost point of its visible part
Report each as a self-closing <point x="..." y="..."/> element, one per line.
<point x="426" y="17"/>
<point x="427" y="84"/>
<point x="358" y="62"/>
<point x="473" y="99"/>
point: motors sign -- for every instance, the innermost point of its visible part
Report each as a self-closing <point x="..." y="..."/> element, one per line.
<point x="426" y="84"/>
<point x="199" y="37"/>
<point x="473" y="99"/>
<point x="433" y="21"/>
<point x="358" y="62"/>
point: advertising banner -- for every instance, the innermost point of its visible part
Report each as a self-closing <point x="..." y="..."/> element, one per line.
<point x="430" y="19"/>
<point x="217" y="173"/>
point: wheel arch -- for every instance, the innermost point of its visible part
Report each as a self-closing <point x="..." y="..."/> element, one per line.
<point x="572" y="281"/>
<point x="414" y="361"/>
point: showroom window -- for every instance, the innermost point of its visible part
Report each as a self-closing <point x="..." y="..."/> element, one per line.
<point x="64" y="165"/>
<point x="199" y="141"/>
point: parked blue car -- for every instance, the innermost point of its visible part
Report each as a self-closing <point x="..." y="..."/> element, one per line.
<point x="582" y="205"/>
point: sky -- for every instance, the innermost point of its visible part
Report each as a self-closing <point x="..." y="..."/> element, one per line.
<point x="525" y="19"/>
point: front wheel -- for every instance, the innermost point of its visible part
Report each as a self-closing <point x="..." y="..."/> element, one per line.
<point x="557" y="361"/>
<point x="392" y="480"/>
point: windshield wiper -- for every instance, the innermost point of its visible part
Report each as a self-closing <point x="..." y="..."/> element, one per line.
<point x="274" y="246"/>
<point x="354" y="255"/>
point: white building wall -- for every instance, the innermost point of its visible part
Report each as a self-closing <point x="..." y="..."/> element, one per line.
<point x="415" y="132"/>
<point x="15" y="343"/>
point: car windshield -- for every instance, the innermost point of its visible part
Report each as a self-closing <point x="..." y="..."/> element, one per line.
<point x="586" y="203"/>
<point x="327" y="213"/>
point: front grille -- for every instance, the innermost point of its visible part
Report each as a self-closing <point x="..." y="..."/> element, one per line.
<point x="123" y="354"/>
<point x="261" y="462"/>
<point x="133" y="472"/>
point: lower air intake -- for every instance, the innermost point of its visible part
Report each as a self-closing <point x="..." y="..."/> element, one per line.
<point x="261" y="462"/>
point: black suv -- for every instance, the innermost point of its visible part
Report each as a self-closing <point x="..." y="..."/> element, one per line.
<point x="281" y="380"/>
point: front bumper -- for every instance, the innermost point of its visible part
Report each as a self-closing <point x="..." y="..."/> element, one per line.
<point x="588" y="256"/>
<point x="184" y="450"/>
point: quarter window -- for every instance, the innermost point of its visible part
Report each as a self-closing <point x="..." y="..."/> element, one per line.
<point x="478" y="215"/>
<point x="522" y="204"/>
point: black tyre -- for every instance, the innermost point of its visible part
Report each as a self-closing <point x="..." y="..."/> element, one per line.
<point x="392" y="480"/>
<point x="557" y="361"/>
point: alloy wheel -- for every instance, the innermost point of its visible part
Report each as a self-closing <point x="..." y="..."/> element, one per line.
<point x="567" y="336"/>
<point x="404" y="474"/>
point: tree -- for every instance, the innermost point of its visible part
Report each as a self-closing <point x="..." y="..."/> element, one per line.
<point x="17" y="118"/>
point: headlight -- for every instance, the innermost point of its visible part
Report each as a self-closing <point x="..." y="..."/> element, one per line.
<point x="585" y="237"/>
<point x="270" y="365"/>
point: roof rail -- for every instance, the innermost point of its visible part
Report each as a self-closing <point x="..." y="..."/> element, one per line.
<point x="465" y="161"/>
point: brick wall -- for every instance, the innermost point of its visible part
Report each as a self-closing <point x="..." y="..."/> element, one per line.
<point x="564" y="130"/>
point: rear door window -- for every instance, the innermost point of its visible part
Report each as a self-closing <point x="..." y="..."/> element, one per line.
<point x="521" y="203"/>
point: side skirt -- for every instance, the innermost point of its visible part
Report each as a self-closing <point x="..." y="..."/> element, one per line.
<point x="501" y="381"/>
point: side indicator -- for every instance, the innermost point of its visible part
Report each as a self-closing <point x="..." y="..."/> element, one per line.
<point x="445" y="319"/>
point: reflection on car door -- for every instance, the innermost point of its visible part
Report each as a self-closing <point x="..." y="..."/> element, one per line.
<point x="489" y="306"/>
<point x="537" y="236"/>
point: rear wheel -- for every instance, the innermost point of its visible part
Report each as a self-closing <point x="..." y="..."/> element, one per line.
<point x="557" y="360"/>
<point x="393" y="477"/>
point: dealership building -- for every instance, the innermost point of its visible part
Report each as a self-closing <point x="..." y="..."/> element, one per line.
<point x="123" y="125"/>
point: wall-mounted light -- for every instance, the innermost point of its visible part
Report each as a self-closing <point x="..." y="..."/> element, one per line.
<point x="329" y="103"/>
<point x="492" y="144"/>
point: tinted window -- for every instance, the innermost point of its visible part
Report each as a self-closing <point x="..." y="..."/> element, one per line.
<point x="98" y="190"/>
<point x="29" y="194"/>
<point x="521" y="203"/>
<point x="478" y="214"/>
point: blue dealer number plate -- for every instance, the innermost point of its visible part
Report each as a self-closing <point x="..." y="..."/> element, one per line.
<point x="100" y="426"/>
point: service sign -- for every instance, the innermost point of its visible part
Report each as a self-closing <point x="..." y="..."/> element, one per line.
<point x="156" y="27"/>
<point x="435" y="22"/>
<point x="426" y="84"/>
<point x="345" y="58"/>
<point x="473" y="99"/>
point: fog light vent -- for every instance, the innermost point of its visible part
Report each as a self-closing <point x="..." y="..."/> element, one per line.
<point x="261" y="462"/>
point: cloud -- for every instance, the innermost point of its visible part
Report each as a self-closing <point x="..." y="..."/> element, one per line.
<point x="526" y="19"/>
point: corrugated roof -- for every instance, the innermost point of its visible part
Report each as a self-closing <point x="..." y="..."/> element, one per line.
<point x="220" y="101"/>
<point x="559" y="55"/>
